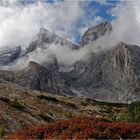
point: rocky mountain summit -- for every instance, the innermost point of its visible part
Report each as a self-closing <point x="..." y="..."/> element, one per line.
<point x="46" y="38"/>
<point x="111" y="74"/>
<point x="95" y="32"/>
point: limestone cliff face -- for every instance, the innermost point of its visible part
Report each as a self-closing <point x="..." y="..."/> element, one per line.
<point x="38" y="77"/>
<point x="110" y="75"/>
<point x="35" y="76"/>
<point x="120" y="74"/>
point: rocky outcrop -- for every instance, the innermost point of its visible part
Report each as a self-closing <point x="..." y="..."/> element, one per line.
<point x="95" y="32"/>
<point x="43" y="77"/>
<point x="110" y="75"/>
<point x="8" y="55"/>
<point x="35" y="76"/>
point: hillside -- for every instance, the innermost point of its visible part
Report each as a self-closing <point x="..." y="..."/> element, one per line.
<point x="23" y="108"/>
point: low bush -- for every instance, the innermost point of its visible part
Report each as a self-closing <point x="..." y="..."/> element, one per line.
<point x="134" y="111"/>
<point x="45" y="117"/>
<point x="48" y="98"/>
<point x="4" y="99"/>
<point x="2" y="131"/>
<point x="82" y="128"/>
<point x="16" y="104"/>
<point x="68" y="104"/>
<point x="84" y="103"/>
<point x="132" y="114"/>
<point x="111" y="104"/>
<point x="69" y="115"/>
<point x="123" y="118"/>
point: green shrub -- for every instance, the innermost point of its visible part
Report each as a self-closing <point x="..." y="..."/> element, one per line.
<point x="84" y="103"/>
<point x="69" y="115"/>
<point x="69" y="105"/>
<point x="123" y="118"/>
<point x="2" y="131"/>
<point x="132" y="114"/>
<point x="72" y="105"/>
<point x="134" y="111"/>
<point x="45" y="117"/>
<point x="110" y="104"/>
<point x="4" y="99"/>
<point x="16" y="104"/>
<point x="49" y="98"/>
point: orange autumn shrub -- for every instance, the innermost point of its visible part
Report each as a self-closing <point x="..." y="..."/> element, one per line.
<point x="81" y="128"/>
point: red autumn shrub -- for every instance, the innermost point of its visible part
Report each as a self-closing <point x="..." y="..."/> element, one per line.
<point x="81" y="128"/>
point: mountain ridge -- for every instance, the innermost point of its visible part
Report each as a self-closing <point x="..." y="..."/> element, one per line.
<point x="111" y="74"/>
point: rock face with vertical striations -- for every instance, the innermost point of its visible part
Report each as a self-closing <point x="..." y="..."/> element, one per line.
<point x="43" y="77"/>
<point x="110" y="75"/>
<point x="35" y="76"/>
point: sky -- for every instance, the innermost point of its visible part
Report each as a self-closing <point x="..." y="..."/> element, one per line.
<point x="20" y="20"/>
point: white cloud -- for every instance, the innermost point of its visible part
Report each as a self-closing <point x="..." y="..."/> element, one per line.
<point x="19" y="23"/>
<point x="103" y="2"/>
<point x="64" y="55"/>
<point x="126" y="26"/>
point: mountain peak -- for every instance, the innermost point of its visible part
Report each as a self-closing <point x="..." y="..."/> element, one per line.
<point x="45" y="31"/>
<point x="45" y="35"/>
<point x="42" y="29"/>
<point x="45" y="38"/>
<point x="95" y="32"/>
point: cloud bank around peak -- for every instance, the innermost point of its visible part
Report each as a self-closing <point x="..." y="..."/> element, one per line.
<point x="126" y="24"/>
<point x="20" y="22"/>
